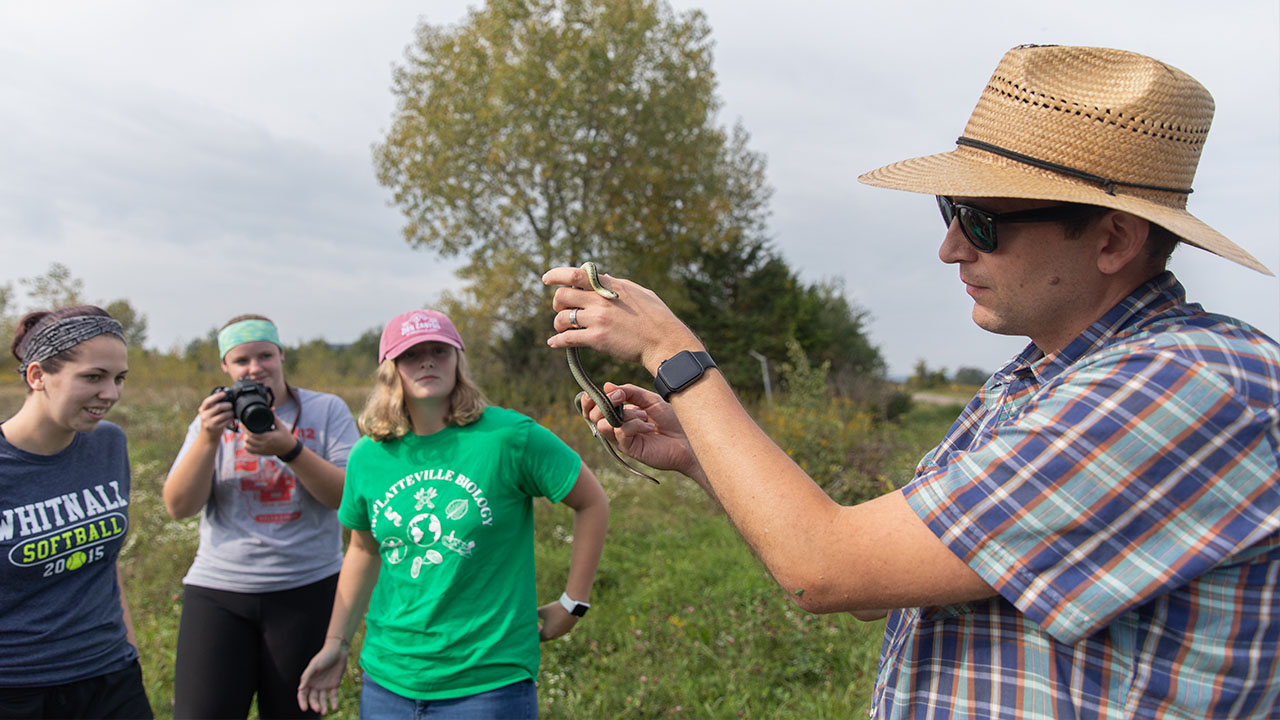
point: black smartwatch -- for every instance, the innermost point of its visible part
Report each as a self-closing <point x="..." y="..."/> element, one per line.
<point x="680" y="370"/>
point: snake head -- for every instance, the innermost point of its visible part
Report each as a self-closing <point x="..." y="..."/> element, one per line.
<point x="593" y="277"/>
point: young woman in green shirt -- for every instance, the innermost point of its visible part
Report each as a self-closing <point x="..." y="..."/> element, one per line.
<point x="439" y="499"/>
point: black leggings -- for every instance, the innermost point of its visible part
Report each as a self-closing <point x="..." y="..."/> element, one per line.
<point x="232" y="645"/>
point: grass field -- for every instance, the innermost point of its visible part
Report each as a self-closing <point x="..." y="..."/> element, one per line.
<point x="685" y="621"/>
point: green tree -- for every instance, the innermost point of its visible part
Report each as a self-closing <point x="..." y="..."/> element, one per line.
<point x="970" y="376"/>
<point x="832" y="329"/>
<point x="805" y="384"/>
<point x="335" y="365"/>
<point x="360" y="358"/>
<point x="8" y="317"/>
<point x="203" y="352"/>
<point x="58" y="288"/>
<point x="743" y="298"/>
<point x="544" y="132"/>
<point x="923" y="378"/>
<point x="133" y="322"/>
<point x="55" y="289"/>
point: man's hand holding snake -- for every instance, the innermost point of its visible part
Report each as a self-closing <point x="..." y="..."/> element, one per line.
<point x="636" y="327"/>
<point x="651" y="432"/>
<point x="630" y="323"/>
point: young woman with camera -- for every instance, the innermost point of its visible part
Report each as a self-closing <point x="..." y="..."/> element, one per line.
<point x="439" y="499"/>
<point x="67" y="648"/>
<point x="266" y="485"/>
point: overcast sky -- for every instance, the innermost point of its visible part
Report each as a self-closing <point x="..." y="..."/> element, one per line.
<point x="208" y="159"/>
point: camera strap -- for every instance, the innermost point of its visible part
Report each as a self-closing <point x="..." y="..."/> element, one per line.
<point x="296" y="401"/>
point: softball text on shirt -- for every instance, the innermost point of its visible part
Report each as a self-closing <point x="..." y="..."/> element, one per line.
<point x="66" y="531"/>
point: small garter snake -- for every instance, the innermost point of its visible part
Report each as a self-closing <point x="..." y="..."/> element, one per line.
<point x="612" y="413"/>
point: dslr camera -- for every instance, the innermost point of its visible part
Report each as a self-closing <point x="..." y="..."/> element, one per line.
<point x="251" y="402"/>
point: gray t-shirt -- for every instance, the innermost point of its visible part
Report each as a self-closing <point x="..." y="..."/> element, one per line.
<point x="261" y="529"/>
<point x="63" y="520"/>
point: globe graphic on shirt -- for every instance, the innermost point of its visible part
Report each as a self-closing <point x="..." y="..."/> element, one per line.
<point x="424" y="529"/>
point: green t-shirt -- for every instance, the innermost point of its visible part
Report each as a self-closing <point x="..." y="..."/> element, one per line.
<point x="454" y="612"/>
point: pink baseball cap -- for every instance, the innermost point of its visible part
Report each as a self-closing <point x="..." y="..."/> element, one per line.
<point x="408" y="329"/>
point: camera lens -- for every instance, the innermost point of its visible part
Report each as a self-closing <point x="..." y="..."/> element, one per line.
<point x="252" y="404"/>
<point x="257" y="417"/>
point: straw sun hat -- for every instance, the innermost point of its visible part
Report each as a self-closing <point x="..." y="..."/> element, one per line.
<point x="1082" y="125"/>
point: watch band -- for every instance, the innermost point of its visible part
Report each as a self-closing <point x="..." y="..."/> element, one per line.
<point x="681" y="370"/>
<point x="292" y="454"/>
<point x="575" y="608"/>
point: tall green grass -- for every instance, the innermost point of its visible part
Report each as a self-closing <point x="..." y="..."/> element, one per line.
<point x="685" y="621"/>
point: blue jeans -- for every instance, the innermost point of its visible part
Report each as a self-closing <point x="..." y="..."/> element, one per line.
<point x="518" y="701"/>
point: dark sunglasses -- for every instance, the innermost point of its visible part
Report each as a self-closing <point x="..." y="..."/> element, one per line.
<point x="979" y="226"/>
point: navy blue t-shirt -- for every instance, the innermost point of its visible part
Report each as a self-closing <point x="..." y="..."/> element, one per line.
<point x="63" y="519"/>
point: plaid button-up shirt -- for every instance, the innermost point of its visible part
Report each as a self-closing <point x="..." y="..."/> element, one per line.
<point x="1121" y="495"/>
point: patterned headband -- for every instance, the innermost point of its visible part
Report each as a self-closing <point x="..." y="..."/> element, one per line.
<point x="246" y="331"/>
<point x="62" y="335"/>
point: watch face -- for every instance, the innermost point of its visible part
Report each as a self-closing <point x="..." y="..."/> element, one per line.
<point x="680" y="369"/>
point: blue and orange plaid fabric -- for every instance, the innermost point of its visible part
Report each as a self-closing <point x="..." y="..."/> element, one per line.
<point x="1122" y="496"/>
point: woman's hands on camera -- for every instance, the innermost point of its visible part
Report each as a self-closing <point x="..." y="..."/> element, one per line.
<point x="217" y="414"/>
<point x="276" y="441"/>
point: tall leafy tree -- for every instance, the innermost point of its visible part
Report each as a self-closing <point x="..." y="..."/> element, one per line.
<point x="744" y="300"/>
<point x="832" y="329"/>
<point x="544" y="132"/>
<point x="747" y="303"/>
<point x="133" y="322"/>
<point x="970" y="376"/>
<point x="57" y="288"/>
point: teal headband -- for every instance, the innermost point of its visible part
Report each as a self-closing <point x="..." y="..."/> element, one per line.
<point x="246" y="331"/>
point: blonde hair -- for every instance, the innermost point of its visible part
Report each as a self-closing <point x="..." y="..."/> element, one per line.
<point x="385" y="416"/>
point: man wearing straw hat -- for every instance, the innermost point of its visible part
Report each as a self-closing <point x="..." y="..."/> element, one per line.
<point x="1098" y="535"/>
